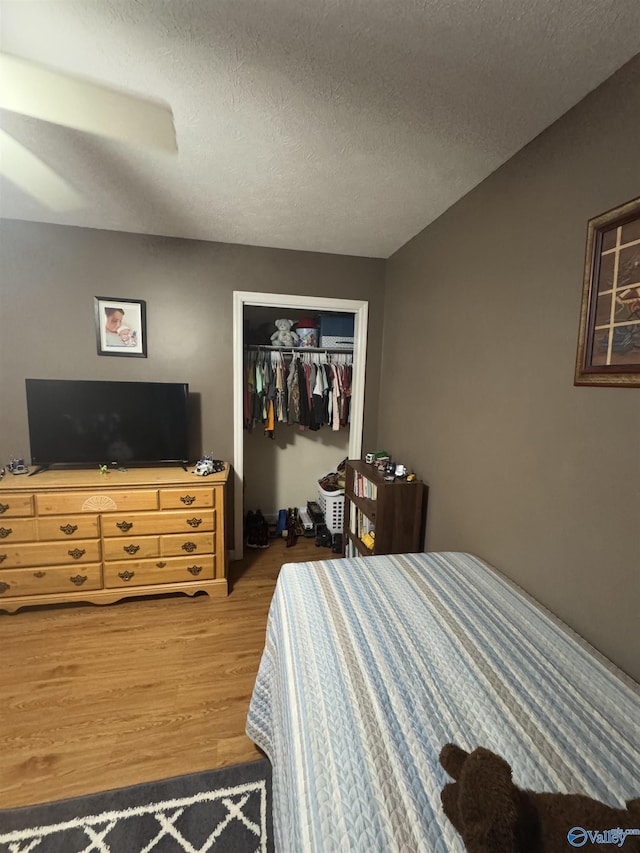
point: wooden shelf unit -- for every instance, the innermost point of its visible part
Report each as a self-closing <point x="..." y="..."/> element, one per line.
<point x="395" y="509"/>
<point x="79" y="535"/>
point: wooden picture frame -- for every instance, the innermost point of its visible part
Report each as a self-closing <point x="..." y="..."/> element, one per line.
<point x="609" y="333"/>
<point x="121" y="326"/>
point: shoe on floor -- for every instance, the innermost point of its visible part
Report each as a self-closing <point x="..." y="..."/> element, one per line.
<point x="251" y="530"/>
<point x="262" y="530"/>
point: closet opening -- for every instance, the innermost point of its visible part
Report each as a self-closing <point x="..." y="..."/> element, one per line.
<point x="280" y="467"/>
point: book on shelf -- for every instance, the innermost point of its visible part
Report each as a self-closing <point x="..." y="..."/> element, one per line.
<point x="363" y="487"/>
<point x="359" y="523"/>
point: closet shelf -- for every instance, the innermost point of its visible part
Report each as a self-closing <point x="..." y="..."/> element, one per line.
<point x="299" y="349"/>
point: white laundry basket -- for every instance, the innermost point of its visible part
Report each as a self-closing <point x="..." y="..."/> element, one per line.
<point x="332" y="506"/>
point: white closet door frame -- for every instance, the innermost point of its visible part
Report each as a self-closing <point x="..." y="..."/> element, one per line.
<point x="302" y="303"/>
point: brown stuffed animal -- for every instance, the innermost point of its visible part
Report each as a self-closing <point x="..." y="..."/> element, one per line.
<point x="494" y="816"/>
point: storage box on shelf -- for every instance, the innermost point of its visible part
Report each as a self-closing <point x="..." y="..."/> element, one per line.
<point x="337" y="331"/>
<point x="86" y="536"/>
<point x="391" y="510"/>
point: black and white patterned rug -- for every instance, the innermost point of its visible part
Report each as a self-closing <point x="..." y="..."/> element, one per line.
<point x="218" y="811"/>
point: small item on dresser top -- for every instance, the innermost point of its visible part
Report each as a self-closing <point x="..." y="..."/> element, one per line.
<point x="208" y="465"/>
<point x="401" y="470"/>
<point x="369" y="458"/>
<point x="17" y="466"/>
<point x="390" y="470"/>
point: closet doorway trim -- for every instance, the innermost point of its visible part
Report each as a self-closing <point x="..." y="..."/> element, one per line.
<point x="299" y="303"/>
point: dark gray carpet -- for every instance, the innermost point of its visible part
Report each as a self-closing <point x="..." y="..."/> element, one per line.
<point x="218" y="811"/>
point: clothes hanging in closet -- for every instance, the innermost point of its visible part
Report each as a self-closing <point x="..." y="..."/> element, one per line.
<point x="308" y="389"/>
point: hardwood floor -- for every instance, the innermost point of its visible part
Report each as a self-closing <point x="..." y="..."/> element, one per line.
<point x="98" y="697"/>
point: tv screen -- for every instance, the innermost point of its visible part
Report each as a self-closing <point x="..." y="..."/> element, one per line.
<point x="86" y="422"/>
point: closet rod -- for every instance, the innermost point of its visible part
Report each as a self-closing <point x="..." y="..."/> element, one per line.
<point x="299" y="349"/>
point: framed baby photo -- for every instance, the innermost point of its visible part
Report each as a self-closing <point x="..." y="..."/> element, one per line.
<point x="121" y="326"/>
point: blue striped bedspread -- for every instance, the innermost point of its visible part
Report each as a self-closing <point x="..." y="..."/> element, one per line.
<point x="372" y="664"/>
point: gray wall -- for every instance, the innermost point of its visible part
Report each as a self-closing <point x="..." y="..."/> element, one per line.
<point x="50" y="275"/>
<point x="538" y="477"/>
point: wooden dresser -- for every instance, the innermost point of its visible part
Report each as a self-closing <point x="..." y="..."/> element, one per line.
<point x="86" y="536"/>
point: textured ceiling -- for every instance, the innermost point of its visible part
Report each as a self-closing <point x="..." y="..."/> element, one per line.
<point x="328" y="125"/>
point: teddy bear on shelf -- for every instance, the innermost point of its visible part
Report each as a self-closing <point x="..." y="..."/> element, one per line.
<point x="284" y="336"/>
<point x="494" y="816"/>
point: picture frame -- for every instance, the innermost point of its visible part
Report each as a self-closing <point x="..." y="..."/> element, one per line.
<point x="121" y="326"/>
<point x="609" y="333"/>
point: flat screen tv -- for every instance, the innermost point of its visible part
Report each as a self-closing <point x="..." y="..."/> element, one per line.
<point x="91" y="422"/>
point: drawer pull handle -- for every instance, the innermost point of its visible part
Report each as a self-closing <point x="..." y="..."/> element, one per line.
<point x="161" y="564"/>
<point x="3" y="557"/>
<point x="188" y="499"/>
<point x="126" y="576"/>
<point x="39" y="574"/>
<point x="3" y="587"/>
<point x="5" y="531"/>
<point x="68" y="528"/>
<point x="194" y="522"/>
<point x="125" y="526"/>
<point x="189" y="547"/>
<point x="78" y="580"/>
<point x="131" y="549"/>
<point x="3" y="508"/>
<point x="76" y="553"/>
<point x="194" y="570"/>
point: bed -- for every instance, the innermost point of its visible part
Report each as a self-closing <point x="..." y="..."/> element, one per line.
<point x="372" y="664"/>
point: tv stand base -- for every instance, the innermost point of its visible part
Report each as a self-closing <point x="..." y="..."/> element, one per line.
<point x="37" y="470"/>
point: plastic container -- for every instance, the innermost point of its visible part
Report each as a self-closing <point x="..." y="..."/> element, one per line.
<point x="307" y="331"/>
<point x="332" y="506"/>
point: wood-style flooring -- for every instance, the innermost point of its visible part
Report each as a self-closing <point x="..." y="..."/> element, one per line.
<point x="98" y="697"/>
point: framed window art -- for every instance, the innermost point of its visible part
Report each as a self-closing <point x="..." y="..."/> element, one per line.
<point x="609" y="333"/>
<point x="121" y="326"/>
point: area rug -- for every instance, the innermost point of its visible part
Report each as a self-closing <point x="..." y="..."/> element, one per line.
<point x="218" y="811"/>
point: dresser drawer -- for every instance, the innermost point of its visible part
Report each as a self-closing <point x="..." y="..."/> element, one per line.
<point x="68" y="527"/>
<point x="131" y="547"/>
<point x="184" y="498"/>
<point x="49" y="553"/>
<point x="42" y="581"/>
<point x="15" y="505"/>
<point x="131" y="523"/>
<point x="56" y="503"/>
<point x="17" y="530"/>
<point x="147" y="572"/>
<point x="179" y="544"/>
